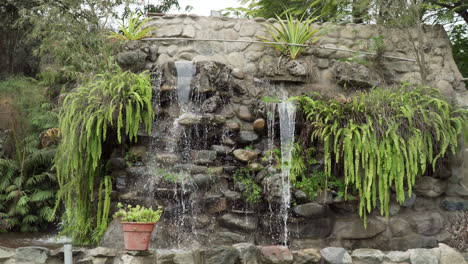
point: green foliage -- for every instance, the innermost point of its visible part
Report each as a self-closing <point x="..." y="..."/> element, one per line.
<point x="134" y="30"/>
<point x="138" y="214"/>
<point x="319" y="181"/>
<point x="459" y="39"/>
<point x="384" y="138"/>
<point x="252" y="191"/>
<point x="113" y="103"/>
<point x="294" y="32"/>
<point x="27" y="187"/>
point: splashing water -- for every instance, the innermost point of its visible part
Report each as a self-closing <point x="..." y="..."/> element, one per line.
<point x="185" y="72"/>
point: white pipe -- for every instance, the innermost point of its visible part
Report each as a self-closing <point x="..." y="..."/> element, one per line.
<point x="68" y="252"/>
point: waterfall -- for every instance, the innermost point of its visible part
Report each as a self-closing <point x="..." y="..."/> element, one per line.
<point x="185" y="72"/>
<point x="287" y="112"/>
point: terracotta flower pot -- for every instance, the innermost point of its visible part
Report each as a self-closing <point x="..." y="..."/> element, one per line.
<point x="137" y="236"/>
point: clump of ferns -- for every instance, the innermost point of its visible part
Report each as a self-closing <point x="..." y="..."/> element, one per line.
<point x="27" y="187"/>
<point x="384" y="138"/>
<point x="112" y="106"/>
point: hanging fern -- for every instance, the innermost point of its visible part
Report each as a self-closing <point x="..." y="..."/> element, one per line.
<point x="115" y="100"/>
<point x="384" y="138"/>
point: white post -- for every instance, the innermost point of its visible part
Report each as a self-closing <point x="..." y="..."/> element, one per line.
<point x="67" y="251"/>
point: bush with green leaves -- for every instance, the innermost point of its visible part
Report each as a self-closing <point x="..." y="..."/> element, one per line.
<point x="138" y="214"/>
<point x="252" y="191"/>
<point x="27" y="187"/>
<point x="384" y="138"/>
<point x="318" y="181"/>
<point x="109" y="108"/>
<point x="134" y="30"/>
<point x="301" y="31"/>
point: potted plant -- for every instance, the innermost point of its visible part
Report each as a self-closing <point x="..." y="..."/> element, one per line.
<point x="137" y="224"/>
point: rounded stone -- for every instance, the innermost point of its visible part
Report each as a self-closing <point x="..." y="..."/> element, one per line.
<point x="245" y="155"/>
<point x="259" y="125"/>
<point x="247" y="137"/>
<point x="336" y="255"/>
<point x="309" y="210"/>
<point x="244" y="113"/>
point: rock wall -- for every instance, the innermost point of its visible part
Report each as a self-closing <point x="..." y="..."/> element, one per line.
<point x="188" y="164"/>
<point x="243" y="253"/>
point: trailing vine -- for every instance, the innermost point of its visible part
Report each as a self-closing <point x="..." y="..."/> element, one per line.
<point x="112" y="101"/>
<point x="384" y="138"/>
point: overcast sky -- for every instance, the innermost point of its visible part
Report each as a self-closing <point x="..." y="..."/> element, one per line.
<point x="203" y="7"/>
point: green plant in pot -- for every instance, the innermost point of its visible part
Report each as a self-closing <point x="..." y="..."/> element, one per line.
<point x="138" y="224"/>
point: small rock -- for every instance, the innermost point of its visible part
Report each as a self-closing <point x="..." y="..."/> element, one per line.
<point x="247" y="137"/>
<point x="202" y="180"/>
<point x="6" y="253"/>
<point x="429" y="187"/>
<point x="244" y="113"/>
<point x="167" y="158"/>
<point x="297" y="68"/>
<point x="398" y="256"/>
<point x="306" y="256"/>
<point x="246" y="223"/>
<point x="454" y="204"/>
<point x="184" y="257"/>
<point x="399" y="227"/>
<point x="422" y="256"/>
<point x="275" y="255"/>
<point x="232" y="126"/>
<point x="324" y="197"/>
<point x="245" y="155"/>
<point x="449" y="255"/>
<point x="238" y="73"/>
<point x="335" y="255"/>
<point x="204" y="156"/>
<point x="137" y="151"/>
<point x="412" y="241"/>
<point x="36" y="254"/>
<point x="301" y="196"/>
<point x="368" y="255"/>
<point x="409" y="200"/>
<point x="220" y="149"/>
<point x="102" y="252"/>
<point x="254" y="166"/>
<point x="211" y="104"/>
<point x="232" y="195"/>
<point x="309" y="210"/>
<point x="259" y="125"/>
<point x="116" y="163"/>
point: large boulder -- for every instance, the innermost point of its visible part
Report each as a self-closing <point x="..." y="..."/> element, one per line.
<point x="449" y="255"/>
<point x="309" y="210"/>
<point x="307" y="256"/>
<point x="354" y="228"/>
<point x="335" y="255"/>
<point x="247" y="253"/>
<point x="423" y="256"/>
<point x="6" y="253"/>
<point x="245" y="223"/>
<point x="245" y="155"/>
<point x="427" y="223"/>
<point x="430" y="187"/>
<point x="221" y="254"/>
<point x="35" y="254"/>
<point x="368" y="256"/>
<point x="275" y="255"/>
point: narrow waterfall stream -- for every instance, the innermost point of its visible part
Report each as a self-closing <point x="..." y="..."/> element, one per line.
<point x="185" y="72"/>
<point x="287" y="113"/>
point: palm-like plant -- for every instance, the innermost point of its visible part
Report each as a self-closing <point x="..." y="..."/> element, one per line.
<point x="292" y="32"/>
<point x="27" y="187"/>
<point x="134" y="30"/>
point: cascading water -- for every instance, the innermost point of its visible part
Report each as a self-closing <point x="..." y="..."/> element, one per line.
<point x="287" y="113"/>
<point x="185" y="72"/>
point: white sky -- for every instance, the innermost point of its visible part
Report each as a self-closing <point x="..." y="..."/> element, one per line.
<point x="203" y="7"/>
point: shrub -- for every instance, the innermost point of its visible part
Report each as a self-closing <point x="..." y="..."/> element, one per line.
<point x="138" y="214"/>
<point x="384" y="138"/>
<point x="252" y="191"/>
<point x="115" y="102"/>
<point x="134" y="29"/>
<point x="294" y="32"/>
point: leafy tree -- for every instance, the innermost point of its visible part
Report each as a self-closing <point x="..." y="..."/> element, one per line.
<point x="459" y="39"/>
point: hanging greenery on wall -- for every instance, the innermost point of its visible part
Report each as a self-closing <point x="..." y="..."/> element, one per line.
<point x="384" y="138"/>
<point x="115" y="100"/>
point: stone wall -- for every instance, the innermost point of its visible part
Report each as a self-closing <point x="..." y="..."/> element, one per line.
<point x="226" y="130"/>
<point x="243" y="253"/>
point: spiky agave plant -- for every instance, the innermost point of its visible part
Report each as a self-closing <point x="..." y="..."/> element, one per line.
<point x="134" y="30"/>
<point x="292" y="31"/>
